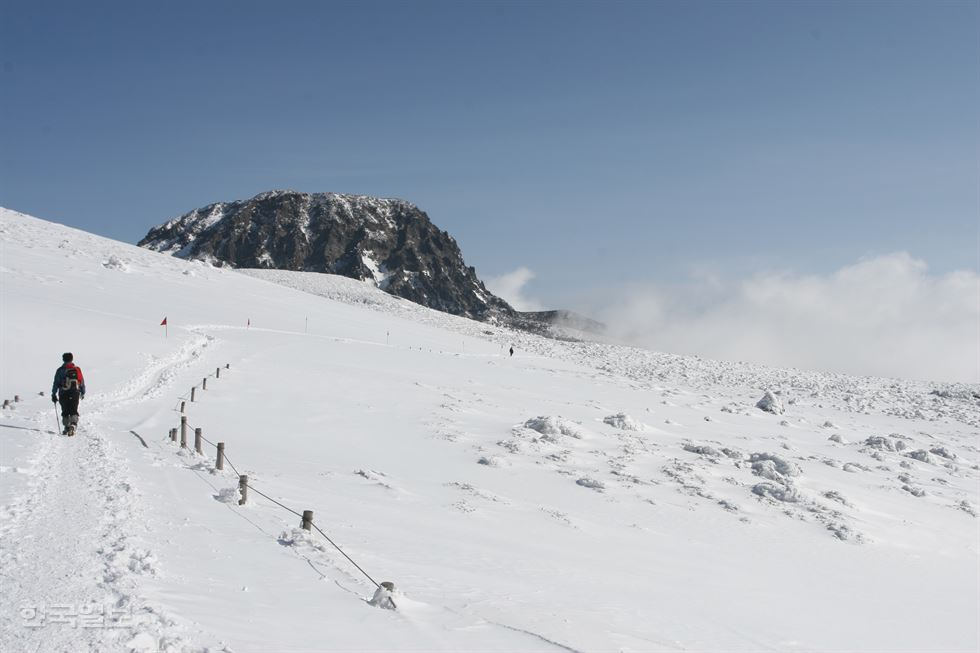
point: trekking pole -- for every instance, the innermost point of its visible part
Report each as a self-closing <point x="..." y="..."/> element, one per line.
<point x="57" y="423"/>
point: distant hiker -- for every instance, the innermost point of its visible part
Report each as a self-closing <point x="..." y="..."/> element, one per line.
<point x="68" y="388"/>
<point x="512" y="351"/>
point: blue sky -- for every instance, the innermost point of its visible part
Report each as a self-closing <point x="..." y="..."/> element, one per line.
<point x="590" y="143"/>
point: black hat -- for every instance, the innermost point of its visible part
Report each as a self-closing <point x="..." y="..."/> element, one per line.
<point x="67" y="357"/>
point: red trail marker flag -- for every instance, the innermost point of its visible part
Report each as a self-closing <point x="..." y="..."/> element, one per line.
<point x="166" y="329"/>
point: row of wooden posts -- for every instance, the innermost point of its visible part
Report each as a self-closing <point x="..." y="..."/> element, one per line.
<point x="7" y="402"/>
<point x="219" y="463"/>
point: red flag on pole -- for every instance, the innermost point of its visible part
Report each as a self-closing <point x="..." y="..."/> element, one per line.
<point x="164" y="323"/>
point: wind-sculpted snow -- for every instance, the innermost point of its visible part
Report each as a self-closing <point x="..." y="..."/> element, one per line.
<point x="573" y="496"/>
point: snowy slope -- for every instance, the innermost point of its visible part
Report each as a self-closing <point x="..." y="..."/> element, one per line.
<point x="574" y="497"/>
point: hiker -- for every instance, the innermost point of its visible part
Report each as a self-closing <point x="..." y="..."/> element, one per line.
<point x="68" y="388"/>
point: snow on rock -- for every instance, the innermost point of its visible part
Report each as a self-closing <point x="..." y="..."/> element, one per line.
<point x="855" y="467"/>
<point x="922" y="456"/>
<point x="591" y="483"/>
<point x="880" y="443"/>
<point x="943" y="452"/>
<point x="703" y="450"/>
<point x="774" y="467"/>
<point x="771" y="404"/>
<point x="624" y="422"/>
<point x="776" y="491"/>
<point x="554" y="425"/>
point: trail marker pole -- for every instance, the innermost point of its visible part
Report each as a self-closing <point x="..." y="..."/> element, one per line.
<point x="307" y="522"/>
<point x="183" y="431"/>
<point x="173" y="435"/>
<point x="192" y="393"/>
<point x="204" y="384"/>
<point x="183" y="405"/>
<point x="197" y="441"/>
<point x="243" y="488"/>
<point x="220" y="462"/>
<point x="217" y="373"/>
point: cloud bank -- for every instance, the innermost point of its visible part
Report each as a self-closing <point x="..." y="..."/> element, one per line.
<point x="510" y="288"/>
<point x="883" y="316"/>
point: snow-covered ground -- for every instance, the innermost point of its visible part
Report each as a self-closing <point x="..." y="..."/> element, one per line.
<point x="575" y="496"/>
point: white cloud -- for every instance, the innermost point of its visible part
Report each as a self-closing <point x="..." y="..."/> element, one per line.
<point x="885" y="316"/>
<point x="510" y="288"/>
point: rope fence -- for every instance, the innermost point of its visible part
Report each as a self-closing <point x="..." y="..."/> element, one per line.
<point x="307" y="523"/>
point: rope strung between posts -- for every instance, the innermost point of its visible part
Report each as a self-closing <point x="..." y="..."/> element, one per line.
<point x="298" y="514"/>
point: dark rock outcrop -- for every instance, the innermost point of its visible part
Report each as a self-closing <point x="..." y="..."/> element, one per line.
<point x="387" y="241"/>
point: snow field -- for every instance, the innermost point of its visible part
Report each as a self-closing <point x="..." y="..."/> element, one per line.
<point x="576" y="496"/>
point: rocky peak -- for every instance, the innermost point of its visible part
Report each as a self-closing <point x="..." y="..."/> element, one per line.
<point x="388" y="242"/>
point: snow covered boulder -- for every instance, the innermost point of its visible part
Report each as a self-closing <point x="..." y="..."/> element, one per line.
<point x="880" y="443"/>
<point x="592" y="484"/>
<point x="787" y="494"/>
<point x="943" y="452"/>
<point x="773" y="467"/>
<point x="624" y="422"/>
<point x="553" y="425"/>
<point x="771" y="404"/>
<point x="922" y="456"/>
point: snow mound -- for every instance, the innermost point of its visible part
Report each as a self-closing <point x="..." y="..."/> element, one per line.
<point x="784" y="493"/>
<point x="624" y="422"/>
<point x="554" y="425"/>
<point x="115" y="263"/>
<point x="773" y="467"/>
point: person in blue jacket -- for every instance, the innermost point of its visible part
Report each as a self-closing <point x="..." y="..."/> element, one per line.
<point x="68" y="388"/>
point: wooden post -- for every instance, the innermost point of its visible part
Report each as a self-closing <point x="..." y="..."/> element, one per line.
<point x="183" y="431"/>
<point x="204" y="384"/>
<point x="243" y="488"/>
<point x="17" y="398"/>
<point x="307" y="523"/>
<point x="173" y="435"/>
<point x="220" y="462"/>
<point x="197" y="441"/>
<point x="217" y="373"/>
<point x="227" y="366"/>
<point x="192" y="393"/>
<point x="6" y="403"/>
<point x="183" y="406"/>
